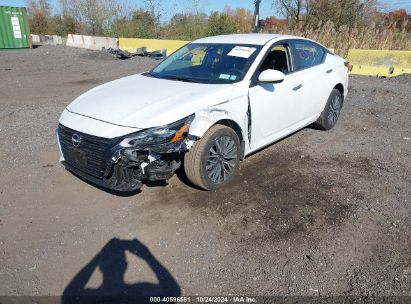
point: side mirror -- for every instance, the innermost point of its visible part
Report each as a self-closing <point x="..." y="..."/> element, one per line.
<point x="271" y="76"/>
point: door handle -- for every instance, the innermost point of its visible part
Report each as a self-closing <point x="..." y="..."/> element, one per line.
<point x="329" y="71"/>
<point x="297" y="87"/>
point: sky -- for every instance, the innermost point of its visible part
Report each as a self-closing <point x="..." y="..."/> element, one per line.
<point x="173" y="6"/>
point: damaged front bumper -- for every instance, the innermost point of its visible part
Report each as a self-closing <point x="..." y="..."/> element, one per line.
<point x="128" y="167"/>
<point x="109" y="165"/>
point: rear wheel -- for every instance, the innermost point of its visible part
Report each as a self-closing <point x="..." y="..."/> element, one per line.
<point x="331" y="112"/>
<point x="213" y="160"/>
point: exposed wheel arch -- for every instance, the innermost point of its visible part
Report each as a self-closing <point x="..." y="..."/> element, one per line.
<point x="340" y="88"/>
<point x="233" y="125"/>
<point x="237" y="129"/>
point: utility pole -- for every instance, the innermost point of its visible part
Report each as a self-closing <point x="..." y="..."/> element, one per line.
<point x="257" y="25"/>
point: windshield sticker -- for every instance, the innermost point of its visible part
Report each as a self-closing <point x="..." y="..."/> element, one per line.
<point x="233" y="77"/>
<point x="242" y="51"/>
<point x="224" y="76"/>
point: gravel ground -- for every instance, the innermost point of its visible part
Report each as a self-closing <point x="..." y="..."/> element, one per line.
<point x="318" y="213"/>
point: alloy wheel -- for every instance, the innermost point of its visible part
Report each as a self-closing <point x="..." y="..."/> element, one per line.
<point x="222" y="159"/>
<point x="334" y="110"/>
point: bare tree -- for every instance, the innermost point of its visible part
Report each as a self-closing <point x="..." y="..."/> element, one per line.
<point x="294" y="10"/>
<point x="94" y="16"/>
<point x="35" y="6"/>
<point x="39" y="15"/>
<point x="312" y="12"/>
<point x="348" y="12"/>
<point x="155" y="8"/>
<point x="196" y="7"/>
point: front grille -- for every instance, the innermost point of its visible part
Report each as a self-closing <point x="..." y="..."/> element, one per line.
<point x="92" y="149"/>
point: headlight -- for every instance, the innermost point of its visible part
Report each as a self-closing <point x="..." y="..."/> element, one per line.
<point x="171" y="133"/>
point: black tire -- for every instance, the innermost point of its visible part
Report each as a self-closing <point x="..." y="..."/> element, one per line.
<point x="331" y="112"/>
<point x="209" y="170"/>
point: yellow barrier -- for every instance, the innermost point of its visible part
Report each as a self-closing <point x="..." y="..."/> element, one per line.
<point x="131" y="44"/>
<point x="379" y="62"/>
<point x="382" y="63"/>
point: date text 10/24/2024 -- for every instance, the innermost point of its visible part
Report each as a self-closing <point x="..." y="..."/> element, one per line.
<point x="203" y="299"/>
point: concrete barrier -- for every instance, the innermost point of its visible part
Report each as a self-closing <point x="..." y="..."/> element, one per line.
<point x="46" y="39"/>
<point x="54" y="39"/>
<point x="91" y="42"/>
<point x="131" y="44"/>
<point x="35" y="39"/>
<point x="381" y="63"/>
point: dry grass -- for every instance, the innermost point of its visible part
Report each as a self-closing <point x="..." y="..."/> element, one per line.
<point x="345" y="38"/>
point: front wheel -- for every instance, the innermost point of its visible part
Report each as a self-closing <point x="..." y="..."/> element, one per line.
<point x="331" y="112"/>
<point x="213" y="160"/>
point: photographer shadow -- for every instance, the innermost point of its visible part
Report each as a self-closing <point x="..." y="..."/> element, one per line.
<point x="111" y="261"/>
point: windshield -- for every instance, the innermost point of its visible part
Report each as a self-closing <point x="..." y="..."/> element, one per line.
<point x="208" y="63"/>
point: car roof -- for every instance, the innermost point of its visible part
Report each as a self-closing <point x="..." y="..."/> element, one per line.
<point x="254" y="39"/>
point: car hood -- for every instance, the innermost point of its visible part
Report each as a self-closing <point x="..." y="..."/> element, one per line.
<point x="142" y="102"/>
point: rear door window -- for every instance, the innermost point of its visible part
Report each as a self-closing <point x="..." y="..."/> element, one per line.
<point x="307" y="54"/>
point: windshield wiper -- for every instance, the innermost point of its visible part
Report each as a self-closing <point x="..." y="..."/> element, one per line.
<point x="149" y="74"/>
<point x="171" y="77"/>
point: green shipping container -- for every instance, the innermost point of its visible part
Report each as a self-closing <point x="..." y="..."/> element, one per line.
<point x="14" y="28"/>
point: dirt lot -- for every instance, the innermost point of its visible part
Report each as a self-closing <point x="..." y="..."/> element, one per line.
<point x="318" y="213"/>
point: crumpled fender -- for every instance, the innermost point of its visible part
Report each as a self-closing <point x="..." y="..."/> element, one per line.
<point x="204" y="119"/>
<point x="236" y="110"/>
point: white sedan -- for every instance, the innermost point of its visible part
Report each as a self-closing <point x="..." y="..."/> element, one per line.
<point x="205" y="107"/>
